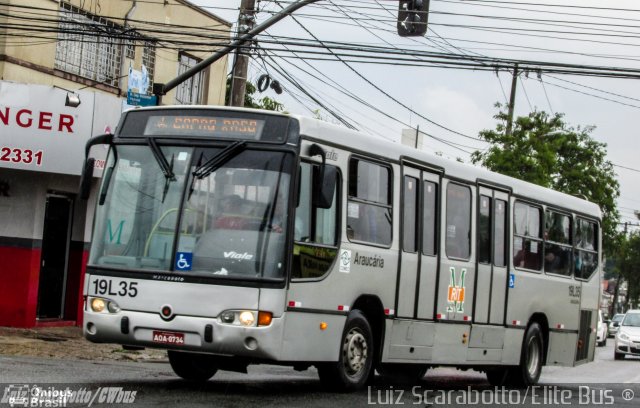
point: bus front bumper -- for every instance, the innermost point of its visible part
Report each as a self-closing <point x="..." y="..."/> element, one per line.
<point x="189" y="333"/>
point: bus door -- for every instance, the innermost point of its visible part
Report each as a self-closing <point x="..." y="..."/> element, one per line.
<point x="456" y="275"/>
<point x="492" y="277"/>
<point x="418" y="266"/>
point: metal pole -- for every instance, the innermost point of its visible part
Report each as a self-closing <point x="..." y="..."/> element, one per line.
<point x="512" y="100"/>
<point x="246" y="21"/>
<point x="162" y="89"/>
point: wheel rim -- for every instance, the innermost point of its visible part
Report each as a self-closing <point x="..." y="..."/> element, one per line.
<point x="355" y="352"/>
<point x="533" y="357"/>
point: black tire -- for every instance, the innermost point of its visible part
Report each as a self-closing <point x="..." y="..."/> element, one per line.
<point x="618" y="356"/>
<point x="531" y="358"/>
<point x="355" y="360"/>
<point x="402" y="373"/>
<point x="498" y="376"/>
<point x="192" y="366"/>
<point x="604" y="342"/>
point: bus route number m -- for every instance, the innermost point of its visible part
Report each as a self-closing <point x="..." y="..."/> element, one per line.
<point x="455" y="293"/>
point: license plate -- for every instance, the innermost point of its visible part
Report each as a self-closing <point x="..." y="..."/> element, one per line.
<point x="164" y="337"/>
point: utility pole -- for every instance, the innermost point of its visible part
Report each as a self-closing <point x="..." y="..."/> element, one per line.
<point x="417" y="135"/>
<point x="160" y="89"/>
<point x="246" y="21"/>
<point x="512" y="100"/>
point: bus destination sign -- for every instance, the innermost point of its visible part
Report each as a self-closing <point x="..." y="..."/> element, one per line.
<point x="204" y="126"/>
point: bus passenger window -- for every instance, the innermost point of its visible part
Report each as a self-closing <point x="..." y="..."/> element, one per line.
<point x="410" y="215"/>
<point x="429" y="218"/>
<point x="484" y="230"/>
<point x="500" y="232"/>
<point x="315" y="233"/>
<point x="586" y="255"/>
<point x="557" y="247"/>
<point x="527" y="240"/>
<point x="458" y="242"/>
<point x="369" y="212"/>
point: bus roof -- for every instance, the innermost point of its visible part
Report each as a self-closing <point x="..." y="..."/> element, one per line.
<point x="381" y="148"/>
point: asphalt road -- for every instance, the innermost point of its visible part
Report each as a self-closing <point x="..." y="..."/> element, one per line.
<point x="608" y="382"/>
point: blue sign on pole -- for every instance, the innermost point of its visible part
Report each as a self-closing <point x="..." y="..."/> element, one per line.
<point x="138" y="99"/>
<point x="512" y="281"/>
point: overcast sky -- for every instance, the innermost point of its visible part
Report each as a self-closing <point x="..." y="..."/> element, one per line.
<point x="580" y="32"/>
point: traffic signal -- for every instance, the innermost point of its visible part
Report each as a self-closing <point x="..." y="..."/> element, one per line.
<point x="412" y="17"/>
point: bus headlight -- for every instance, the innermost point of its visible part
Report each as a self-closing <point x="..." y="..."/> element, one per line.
<point x="247" y="318"/>
<point x="113" y="307"/>
<point x="98" y="305"/>
<point x="228" y="317"/>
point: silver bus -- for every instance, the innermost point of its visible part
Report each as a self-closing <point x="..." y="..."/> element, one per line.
<point x="233" y="237"/>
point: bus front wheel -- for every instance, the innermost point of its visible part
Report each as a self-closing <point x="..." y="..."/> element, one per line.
<point x="192" y="366"/>
<point x="355" y="360"/>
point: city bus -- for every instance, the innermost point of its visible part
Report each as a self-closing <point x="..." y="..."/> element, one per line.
<point x="231" y="237"/>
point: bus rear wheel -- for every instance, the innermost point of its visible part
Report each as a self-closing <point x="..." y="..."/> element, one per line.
<point x="531" y="358"/>
<point x="355" y="360"/>
<point x="192" y="366"/>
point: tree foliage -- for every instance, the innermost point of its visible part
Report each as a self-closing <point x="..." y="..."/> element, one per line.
<point x="543" y="149"/>
<point x="628" y="264"/>
<point x="250" y="100"/>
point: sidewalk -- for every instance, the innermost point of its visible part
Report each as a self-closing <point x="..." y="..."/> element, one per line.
<point x="67" y="342"/>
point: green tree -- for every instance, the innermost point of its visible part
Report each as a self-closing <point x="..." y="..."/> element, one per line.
<point x="628" y="263"/>
<point x="250" y="100"/>
<point x="544" y="150"/>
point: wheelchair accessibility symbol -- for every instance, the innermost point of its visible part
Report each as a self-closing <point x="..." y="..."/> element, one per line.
<point x="183" y="261"/>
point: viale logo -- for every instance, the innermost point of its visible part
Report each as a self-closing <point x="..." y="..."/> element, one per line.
<point x="241" y="257"/>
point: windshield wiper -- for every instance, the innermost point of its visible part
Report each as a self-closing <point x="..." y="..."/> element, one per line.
<point x="205" y="169"/>
<point x="219" y="159"/>
<point x="165" y="167"/>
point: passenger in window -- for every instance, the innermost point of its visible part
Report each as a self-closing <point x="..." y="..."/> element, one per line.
<point x="554" y="262"/>
<point x="528" y="256"/>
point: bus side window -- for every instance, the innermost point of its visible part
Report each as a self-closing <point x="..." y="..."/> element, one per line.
<point x="527" y="239"/>
<point x="557" y="247"/>
<point x="369" y="212"/>
<point x="586" y="249"/>
<point x="458" y="239"/>
<point x="315" y="232"/>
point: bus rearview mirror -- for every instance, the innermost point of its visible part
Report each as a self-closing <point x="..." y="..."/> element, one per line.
<point x="86" y="177"/>
<point x="325" y="187"/>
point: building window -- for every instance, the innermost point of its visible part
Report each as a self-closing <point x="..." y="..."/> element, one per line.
<point x="88" y="46"/>
<point x="369" y="212"/>
<point x="190" y="91"/>
<point x="149" y="61"/>
<point x="458" y="242"/>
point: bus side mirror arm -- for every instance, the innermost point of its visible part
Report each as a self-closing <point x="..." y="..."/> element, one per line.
<point x="326" y="185"/>
<point x="89" y="162"/>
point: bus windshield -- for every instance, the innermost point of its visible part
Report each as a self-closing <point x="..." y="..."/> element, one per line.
<point x="219" y="212"/>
